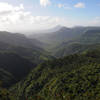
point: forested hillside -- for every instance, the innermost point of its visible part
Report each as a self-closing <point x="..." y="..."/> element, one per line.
<point x="29" y="72"/>
<point x="75" y="77"/>
<point x="6" y="78"/>
<point x="16" y="65"/>
<point x="87" y="41"/>
<point x="17" y="58"/>
<point x="59" y="36"/>
<point x="36" y="56"/>
<point x="17" y="39"/>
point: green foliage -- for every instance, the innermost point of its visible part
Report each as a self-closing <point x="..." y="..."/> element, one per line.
<point x="87" y="41"/>
<point x="75" y="77"/>
<point x="23" y="46"/>
<point x="91" y="37"/>
<point x="34" y="54"/>
<point x="6" y="78"/>
<point x="6" y="95"/>
<point x="13" y="68"/>
<point x="18" y="56"/>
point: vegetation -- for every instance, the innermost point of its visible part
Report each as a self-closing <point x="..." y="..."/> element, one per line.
<point x="88" y="40"/>
<point x="6" y="78"/>
<point x="28" y="72"/>
<point x="19" y="57"/>
<point x="16" y="65"/>
<point x="21" y="45"/>
<point x="5" y="94"/>
<point x="75" y="77"/>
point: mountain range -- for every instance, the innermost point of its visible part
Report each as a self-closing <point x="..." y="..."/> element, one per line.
<point x="66" y="41"/>
<point x="59" y="64"/>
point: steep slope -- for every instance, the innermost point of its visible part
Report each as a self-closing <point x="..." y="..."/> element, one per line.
<point x="17" y="39"/>
<point x="17" y="58"/>
<point x="5" y="94"/>
<point x="75" y="77"/>
<point x="89" y="40"/>
<point x="90" y="37"/>
<point x="23" y="46"/>
<point x="63" y="34"/>
<point x="6" y="78"/>
<point x="18" y="66"/>
<point x="66" y="49"/>
<point x="36" y="56"/>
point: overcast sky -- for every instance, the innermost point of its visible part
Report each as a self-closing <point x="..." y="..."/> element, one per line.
<point x="28" y="15"/>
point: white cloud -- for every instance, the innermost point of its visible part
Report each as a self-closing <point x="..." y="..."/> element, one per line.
<point x="5" y="7"/>
<point x="45" y="3"/>
<point x="15" y="18"/>
<point x="79" y="5"/>
<point x="65" y="6"/>
<point x="95" y="21"/>
<point x="60" y="5"/>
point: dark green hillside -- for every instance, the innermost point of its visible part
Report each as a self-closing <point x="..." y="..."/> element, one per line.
<point x="36" y="56"/>
<point x="18" y="58"/>
<point x="91" y="37"/>
<point x="80" y="84"/>
<point x="72" y="48"/>
<point x="6" y="78"/>
<point x="23" y="46"/>
<point x="5" y="94"/>
<point x="16" y="65"/>
<point x="17" y="39"/>
<point x="89" y="40"/>
<point x="75" y="77"/>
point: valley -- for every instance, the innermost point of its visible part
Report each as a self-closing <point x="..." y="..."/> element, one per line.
<point x="59" y="65"/>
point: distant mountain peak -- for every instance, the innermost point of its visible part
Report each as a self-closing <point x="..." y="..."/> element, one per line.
<point x="63" y="28"/>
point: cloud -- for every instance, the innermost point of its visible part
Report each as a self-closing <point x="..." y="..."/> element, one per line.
<point x="5" y="7"/>
<point x="15" y="18"/>
<point x="45" y="3"/>
<point x="65" y="6"/>
<point x="79" y="5"/>
<point x="95" y="21"/>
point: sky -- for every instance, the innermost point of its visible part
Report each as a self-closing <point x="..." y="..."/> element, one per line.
<point x="31" y="15"/>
